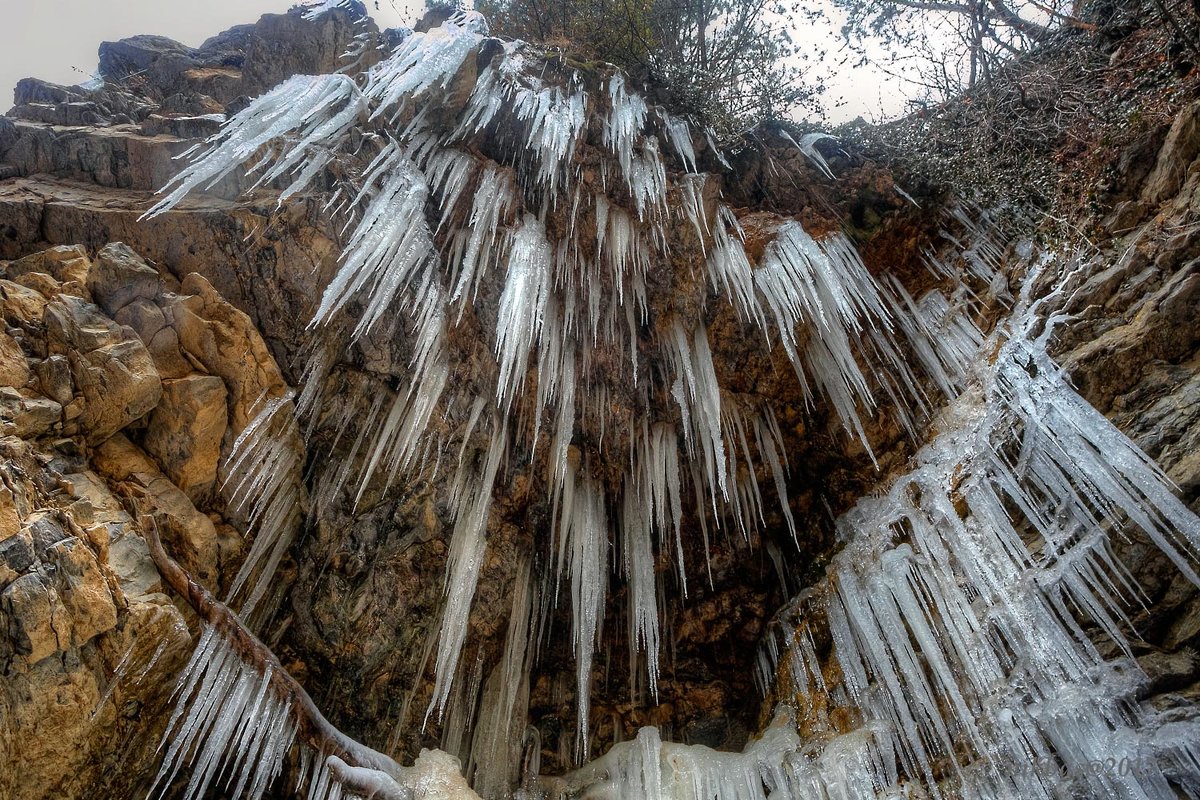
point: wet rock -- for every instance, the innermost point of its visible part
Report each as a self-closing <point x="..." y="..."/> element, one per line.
<point x="185" y="432"/>
<point x="1185" y="627"/>
<point x="1169" y="671"/>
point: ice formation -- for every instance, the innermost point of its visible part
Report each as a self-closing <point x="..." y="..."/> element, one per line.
<point x="532" y="212"/>
<point x="964" y="613"/>
<point x="261" y="486"/>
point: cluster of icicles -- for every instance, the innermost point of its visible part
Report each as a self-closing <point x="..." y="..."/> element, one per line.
<point x="963" y="615"/>
<point x="926" y="608"/>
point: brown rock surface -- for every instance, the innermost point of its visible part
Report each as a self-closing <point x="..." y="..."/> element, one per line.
<point x="88" y="644"/>
<point x="14" y="370"/>
<point x="120" y="277"/>
<point x="185" y="431"/>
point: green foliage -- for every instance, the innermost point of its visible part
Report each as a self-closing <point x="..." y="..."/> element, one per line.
<point x="730" y="62"/>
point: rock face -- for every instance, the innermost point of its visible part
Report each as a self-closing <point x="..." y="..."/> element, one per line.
<point x="95" y="445"/>
<point x="134" y="354"/>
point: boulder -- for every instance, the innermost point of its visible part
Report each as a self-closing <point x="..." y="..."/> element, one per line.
<point x="120" y="277"/>
<point x="14" y="370"/>
<point x="110" y="366"/>
<point x="36" y="623"/>
<point x="68" y="266"/>
<point x="16" y="554"/>
<point x="10" y="521"/>
<point x="20" y="303"/>
<point x="54" y="377"/>
<point x="189" y="535"/>
<point x="74" y="325"/>
<point x="155" y="62"/>
<point x="119" y="385"/>
<point x="8" y="135"/>
<point x="226" y="342"/>
<point x="185" y="431"/>
<point x="83" y="589"/>
<point x="26" y="416"/>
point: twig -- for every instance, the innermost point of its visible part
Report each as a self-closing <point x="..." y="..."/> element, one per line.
<point x="313" y="729"/>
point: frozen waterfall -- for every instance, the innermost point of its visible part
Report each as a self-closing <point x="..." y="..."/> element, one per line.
<point x="962" y="611"/>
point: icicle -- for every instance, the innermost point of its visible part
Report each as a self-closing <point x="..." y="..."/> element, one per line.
<point x="424" y="62"/>
<point x="626" y="119"/>
<point x="390" y="248"/>
<point x="930" y="601"/>
<point x="828" y="288"/>
<point x="466" y="559"/>
<point x="233" y="724"/>
<point x="398" y="439"/>
<point x="584" y="544"/>
<point x="496" y="748"/>
<point x="692" y="191"/>
<point x="556" y="119"/>
<point x="522" y="306"/>
<point x="729" y="269"/>
<point x="808" y="146"/>
<point x="698" y="396"/>
<point x="262" y="485"/>
<point x="680" y="136"/>
<point x="647" y="179"/>
<point x="493" y="201"/>
<point x="638" y="553"/>
<point x="315" y="112"/>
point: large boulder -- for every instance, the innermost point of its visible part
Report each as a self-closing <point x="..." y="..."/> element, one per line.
<point x="110" y="366"/>
<point x="121" y="276"/>
<point x="185" y="432"/>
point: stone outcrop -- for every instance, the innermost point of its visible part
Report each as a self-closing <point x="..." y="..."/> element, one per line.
<point x="94" y="446"/>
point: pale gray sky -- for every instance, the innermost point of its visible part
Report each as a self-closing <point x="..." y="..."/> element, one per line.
<point x="57" y="39"/>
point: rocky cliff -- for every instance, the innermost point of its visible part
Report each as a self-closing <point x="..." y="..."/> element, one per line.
<point x="138" y="354"/>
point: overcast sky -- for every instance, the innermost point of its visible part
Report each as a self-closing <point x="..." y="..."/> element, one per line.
<point x="56" y="40"/>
